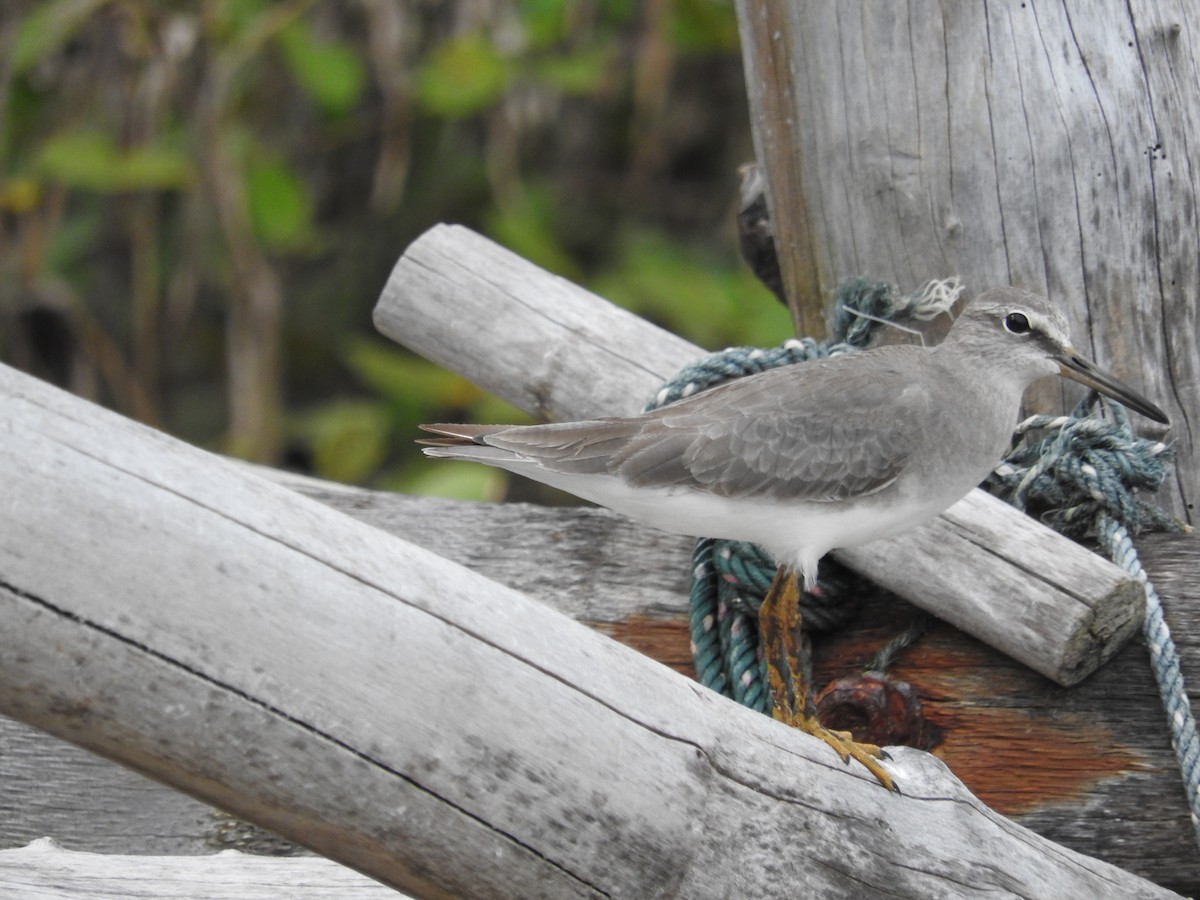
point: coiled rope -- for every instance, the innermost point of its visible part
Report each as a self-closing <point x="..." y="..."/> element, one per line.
<point x="1081" y="478"/>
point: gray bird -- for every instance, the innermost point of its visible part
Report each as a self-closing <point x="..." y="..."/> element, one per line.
<point x="805" y="458"/>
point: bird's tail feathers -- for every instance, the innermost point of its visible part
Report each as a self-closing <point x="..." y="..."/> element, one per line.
<point x="458" y="435"/>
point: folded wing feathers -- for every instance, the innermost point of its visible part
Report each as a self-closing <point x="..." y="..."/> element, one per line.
<point x="772" y="439"/>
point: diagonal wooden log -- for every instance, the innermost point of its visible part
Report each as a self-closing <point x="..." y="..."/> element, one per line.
<point x="1090" y="766"/>
<point x="560" y="352"/>
<point x="416" y="721"/>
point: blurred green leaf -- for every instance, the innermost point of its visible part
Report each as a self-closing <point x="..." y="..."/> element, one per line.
<point x="544" y="20"/>
<point x="73" y="247"/>
<point x="348" y="438"/>
<point x="402" y="377"/>
<point x="280" y="206"/>
<point x="48" y="27"/>
<point x="764" y="321"/>
<point x="79" y="159"/>
<point x="461" y="77"/>
<point x="93" y="161"/>
<point x="329" y="71"/>
<point x="491" y="410"/>
<point x="711" y="301"/>
<point x="620" y="12"/>
<point x="662" y="281"/>
<point x="528" y="225"/>
<point x="226" y="19"/>
<point x="704" y="26"/>
<point x="449" y="478"/>
<point x="20" y="195"/>
<point x="154" y="167"/>
<point x="581" y="72"/>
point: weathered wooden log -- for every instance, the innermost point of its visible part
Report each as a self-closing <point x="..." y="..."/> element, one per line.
<point x="561" y="352"/>
<point x="1090" y="766"/>
<point x="49" y="872"/>
<point x="1045" y="147"/>
<point x="417" y="721"/>
<point x="1111" y="764"/>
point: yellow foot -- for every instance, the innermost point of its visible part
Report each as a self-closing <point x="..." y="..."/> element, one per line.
<point x="846" y="747"/>
<point x="783" y="644"/>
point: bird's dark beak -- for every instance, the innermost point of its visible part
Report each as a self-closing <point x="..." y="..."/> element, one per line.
<point x="1081" y="369"/>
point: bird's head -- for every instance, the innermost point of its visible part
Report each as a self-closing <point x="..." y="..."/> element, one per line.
<point x="1029" y="336"/>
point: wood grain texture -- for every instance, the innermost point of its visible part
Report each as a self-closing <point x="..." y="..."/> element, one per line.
<point x="87" y="803"/>
<point x="416" y="721"/>
<point x="769" y="42"/>
<point x="1049" y="146"/>
<point x="985" y="567"/>
<point x="50" y="872"/>
<point x="1090" y="767"/>
<point x="493" y="326"/>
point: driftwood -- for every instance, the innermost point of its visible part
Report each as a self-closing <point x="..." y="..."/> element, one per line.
<point x="560" y="352"/>
<point x="417" y="721"/>
<point x="1090" y="767"/>
<point x="49" y="872"/>
<point x="1048" y="147"/>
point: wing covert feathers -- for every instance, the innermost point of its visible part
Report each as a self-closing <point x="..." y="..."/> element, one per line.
<point x="817" y="431"/>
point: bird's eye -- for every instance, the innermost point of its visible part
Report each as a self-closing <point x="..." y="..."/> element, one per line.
<point x="1017" y="323"/>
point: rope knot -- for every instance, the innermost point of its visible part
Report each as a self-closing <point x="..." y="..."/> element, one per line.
<point x="1084" y="467"/>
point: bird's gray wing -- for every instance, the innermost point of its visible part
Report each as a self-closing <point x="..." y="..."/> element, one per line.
<point x="816" y="431"/>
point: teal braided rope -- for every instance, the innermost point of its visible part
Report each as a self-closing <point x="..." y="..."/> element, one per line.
<point x="704" y="612"/>
<point x="1164" y="660"/>
<point x="723" y="635"/>
<point x="1083" y="478"/>
<point x="730" y="578"/>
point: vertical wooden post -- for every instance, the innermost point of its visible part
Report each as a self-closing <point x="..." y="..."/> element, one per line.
<point x="771" y="75"/>
<point x="1047" y="146"/>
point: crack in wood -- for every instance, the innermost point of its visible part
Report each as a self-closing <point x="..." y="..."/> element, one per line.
<point x="275" y="711"/>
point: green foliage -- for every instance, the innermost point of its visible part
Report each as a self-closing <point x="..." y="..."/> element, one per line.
<point x="139" y="139"/>
<point x="231" y="19"/>
<point x="545" y="21"/>
<point x="704" y="26"/>
<point x="528" y="225"/>
<point x="47" y="29"/>
<point x="579" y="73"/>
<point x="715" y="301"/>
<point x="331" y="72"/>
<point x="410" y="385"/>
<point x="280" y="206"/>
<point x="93" y="161"/>
<point x="461" y="77"/>
<point x="452" y="479"/>
<point x="75" y="241"/>
<point x="347" y="438"/>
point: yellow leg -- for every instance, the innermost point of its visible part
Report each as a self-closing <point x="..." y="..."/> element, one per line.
<point x="780" y="624"/>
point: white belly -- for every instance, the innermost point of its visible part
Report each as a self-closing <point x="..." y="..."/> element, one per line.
<point x="797" y="534"/>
